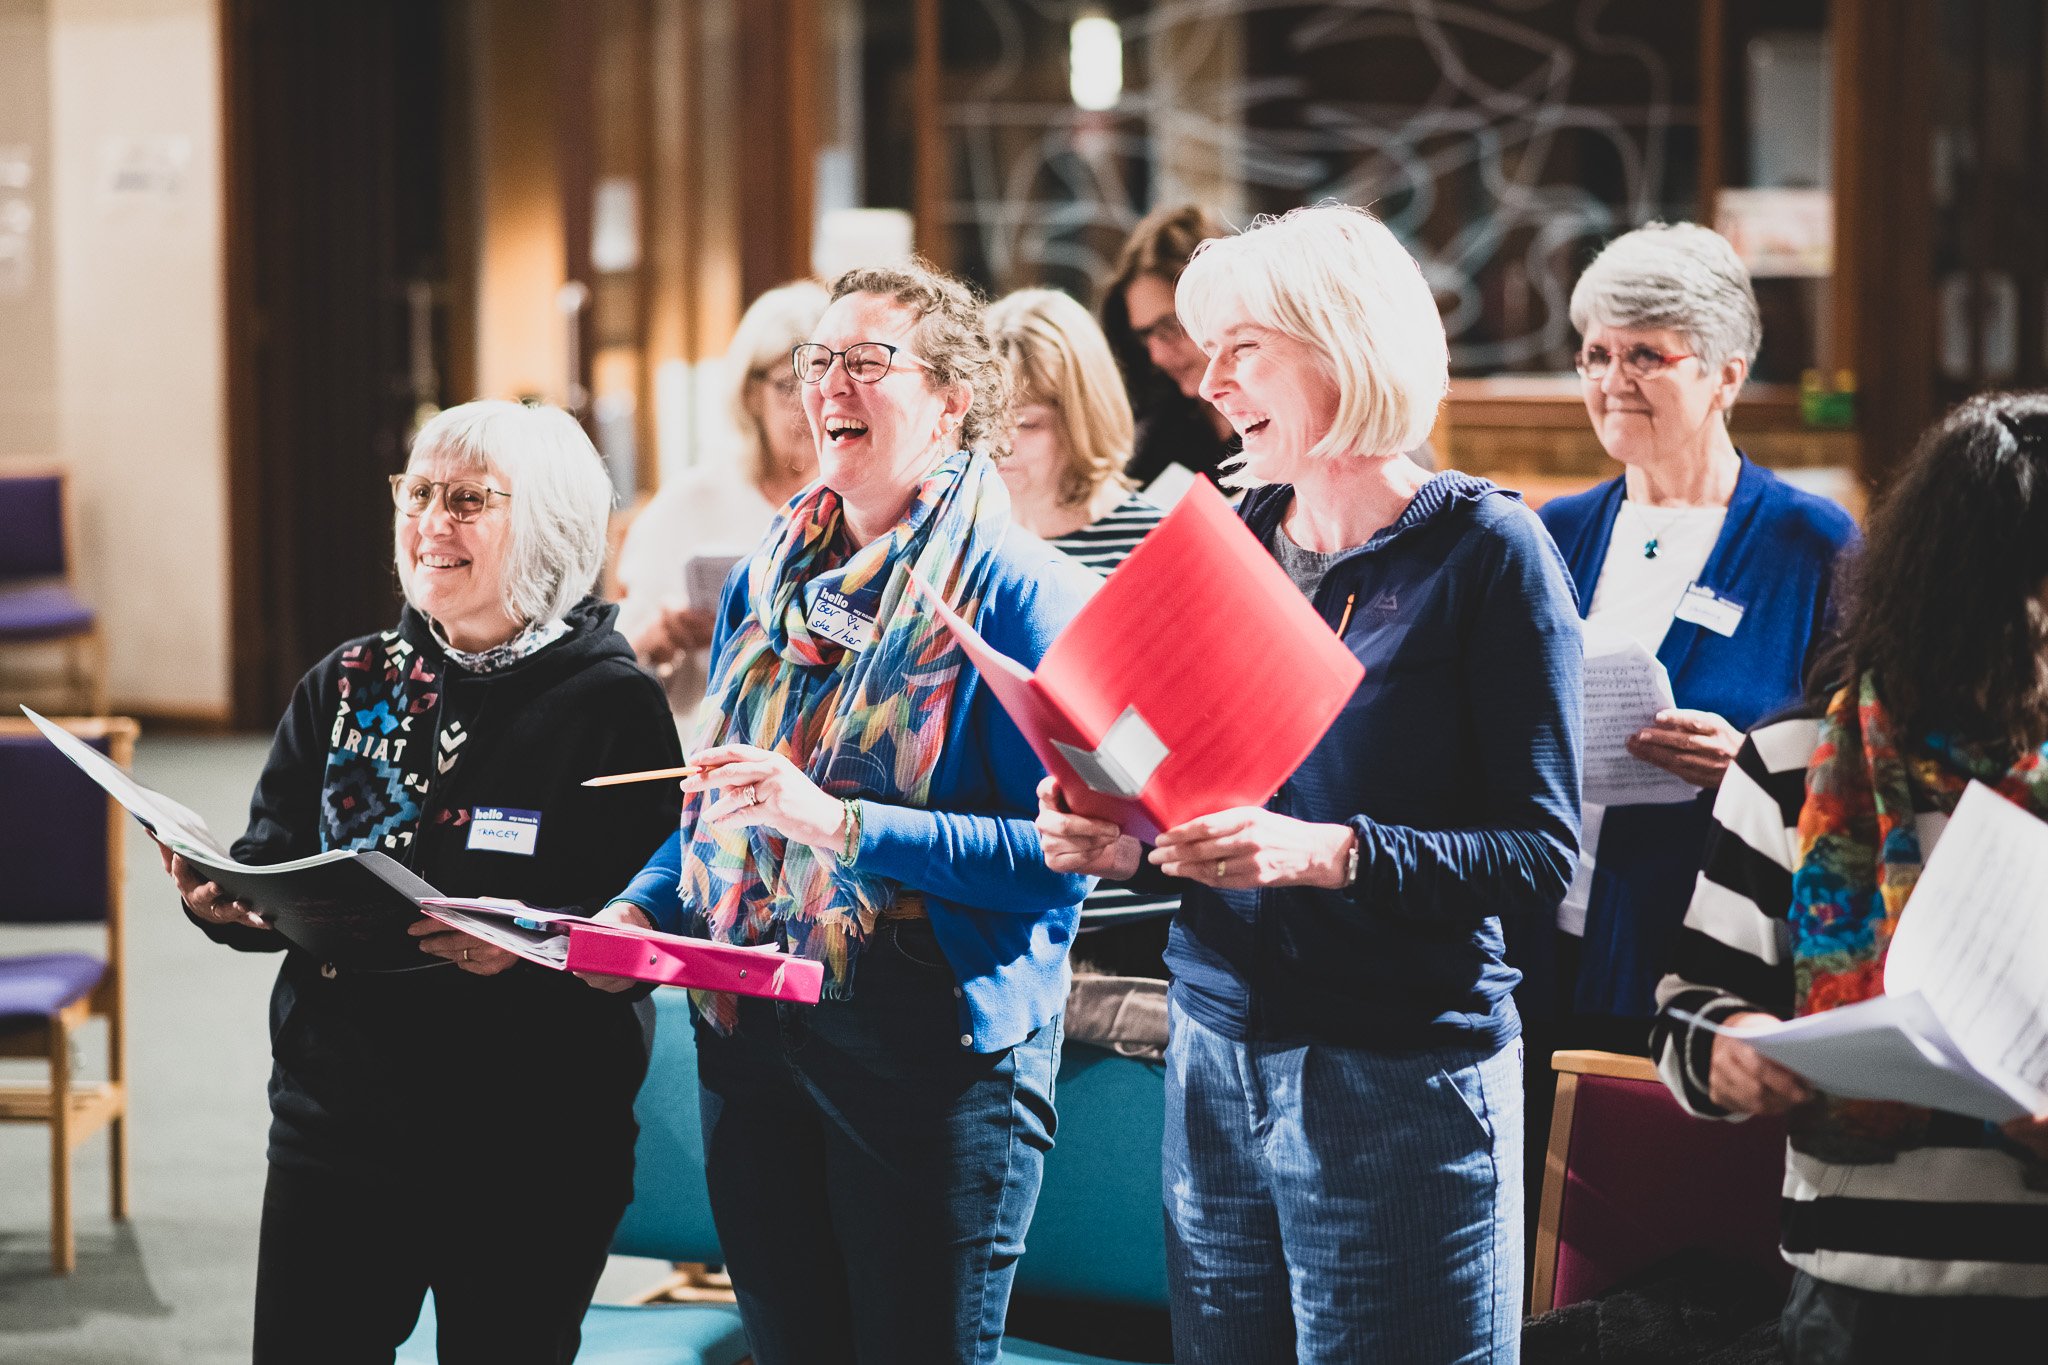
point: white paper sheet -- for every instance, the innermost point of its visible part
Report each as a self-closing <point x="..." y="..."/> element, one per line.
<point x="1974" y="941"/>
<point x="1625" y="689"/>
<point x="171" y="822"/>
<point x="1888" y="1048"/>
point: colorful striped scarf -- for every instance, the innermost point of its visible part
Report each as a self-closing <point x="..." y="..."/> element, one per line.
<point x="1859" y="860"/>
<point x="874" y="729"/>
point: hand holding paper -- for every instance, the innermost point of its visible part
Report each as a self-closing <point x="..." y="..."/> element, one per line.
<point x="1625" y="690"/>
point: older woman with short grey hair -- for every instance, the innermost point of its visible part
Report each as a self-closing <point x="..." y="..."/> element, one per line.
<point x="406" y="1105"/>
<point x="1705" y="559"/>
<point x="1344" y="1122"/>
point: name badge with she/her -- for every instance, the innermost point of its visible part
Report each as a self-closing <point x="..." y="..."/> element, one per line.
<point x="1702" y="606"/>
<point x="499" y="830"/>
<point x="835" y="617"/>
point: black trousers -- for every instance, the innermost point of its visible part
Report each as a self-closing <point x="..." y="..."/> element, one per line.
<point x="1832" y="1324"/>
<point x="344" y="1263"/>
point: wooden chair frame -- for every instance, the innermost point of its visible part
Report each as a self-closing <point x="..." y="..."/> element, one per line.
<point x="1570" y="1065"/>
<point x="85" y="652"/>
<point x="74" y="1110"/>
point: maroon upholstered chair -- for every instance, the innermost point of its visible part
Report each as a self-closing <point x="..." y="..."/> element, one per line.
<point x="1631" y="1179"/>
<point x="39" y="601"/>
<point x="60" y="841"/>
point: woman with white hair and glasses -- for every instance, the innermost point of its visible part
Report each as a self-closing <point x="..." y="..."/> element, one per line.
<point x="466" y="1125"/>
<point x="1713" y="564"/>
<point x="1344" y="1102"/>
<point x="721" y="507"/>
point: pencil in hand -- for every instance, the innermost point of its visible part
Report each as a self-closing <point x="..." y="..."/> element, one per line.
<point x="650" y="775"/>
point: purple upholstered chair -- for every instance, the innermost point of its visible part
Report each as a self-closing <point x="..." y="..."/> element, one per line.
<point x="60" y="841"/>
<point x="1631" y="1179"/>
<point x="39" y="602"/>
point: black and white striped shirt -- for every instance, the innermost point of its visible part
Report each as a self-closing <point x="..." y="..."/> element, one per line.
<point x="1103" y="544"/>
<point x="1953" y="1217"/>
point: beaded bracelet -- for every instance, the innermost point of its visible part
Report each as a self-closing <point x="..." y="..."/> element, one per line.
<point x="852" y="844"/>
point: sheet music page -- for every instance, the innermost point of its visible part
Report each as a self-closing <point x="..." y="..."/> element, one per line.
<point x="1974" y="940"/>
<point x="1891" y="1047"/>
<point x="1625" y="689"/>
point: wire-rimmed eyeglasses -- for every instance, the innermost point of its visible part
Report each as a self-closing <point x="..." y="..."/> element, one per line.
<point x="1637" y="362"/>
<point x="465" y="499"/>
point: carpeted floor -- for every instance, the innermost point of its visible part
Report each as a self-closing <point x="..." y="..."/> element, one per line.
<point x="173" y="1284"/>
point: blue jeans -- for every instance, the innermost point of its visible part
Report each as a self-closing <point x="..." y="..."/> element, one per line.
<point x="872" y="1179"/>
<point x="1334" y="1204"/>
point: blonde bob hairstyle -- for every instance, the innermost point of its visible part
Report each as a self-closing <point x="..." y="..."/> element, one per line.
<point x="1334" y="278"/>
<point x="1059" y="357"/>
<point x="769" y="330"/>
<point x="561" y="499"/>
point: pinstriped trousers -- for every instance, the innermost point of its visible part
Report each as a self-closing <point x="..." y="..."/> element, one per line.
<point x="1339" y="1206"/>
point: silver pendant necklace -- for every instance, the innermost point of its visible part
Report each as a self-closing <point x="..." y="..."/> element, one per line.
<point x="1656" y="537"/>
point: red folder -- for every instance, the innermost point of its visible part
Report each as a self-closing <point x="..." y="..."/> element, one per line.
<point x="1196" y="680"/>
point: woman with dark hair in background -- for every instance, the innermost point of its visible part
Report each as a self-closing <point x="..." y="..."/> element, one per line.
<point x="1916" y="1235"/>
<point x="1162" y="367"/>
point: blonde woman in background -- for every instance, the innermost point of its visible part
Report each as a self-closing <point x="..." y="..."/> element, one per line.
<point x="1070" y="438"/>
<point x="725" y="506"/>
<point x="1071" y="433"/>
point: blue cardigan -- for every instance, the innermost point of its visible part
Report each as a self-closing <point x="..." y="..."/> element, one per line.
<point x="1456" y="762"/>
<point x="1002" y="918"/>
<point x="1776" y="557"/>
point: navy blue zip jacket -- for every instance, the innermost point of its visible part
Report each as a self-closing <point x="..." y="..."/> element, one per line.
<point x="1457" y="763"/>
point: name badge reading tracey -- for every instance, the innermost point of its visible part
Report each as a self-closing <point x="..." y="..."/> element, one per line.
<point x="1703" y="607"/>
<point x="499" y="830"/>
<point x="835" y="618"/>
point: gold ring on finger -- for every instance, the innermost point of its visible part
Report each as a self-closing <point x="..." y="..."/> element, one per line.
<point x="1221" y="865"/>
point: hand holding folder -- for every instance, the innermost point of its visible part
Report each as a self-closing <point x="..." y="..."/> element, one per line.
<point x="1159" y="702"/>
<point x="564" y="942"/>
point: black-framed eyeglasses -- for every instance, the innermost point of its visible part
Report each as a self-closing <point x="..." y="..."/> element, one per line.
<point x="465" y="499"/>
<point x="866" y="361"/>
<point x="1637" y="362"/>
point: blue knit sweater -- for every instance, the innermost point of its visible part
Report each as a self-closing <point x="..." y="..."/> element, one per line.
<point x="1003" y="919"/>
<point x="1457" y="763"/>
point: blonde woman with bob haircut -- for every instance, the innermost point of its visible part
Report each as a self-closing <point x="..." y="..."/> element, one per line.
<point x="1070" y="431"/>
<point x="721" y="507"/>
<point x="456" y="743"/>
<point x="1344" y="1104"/>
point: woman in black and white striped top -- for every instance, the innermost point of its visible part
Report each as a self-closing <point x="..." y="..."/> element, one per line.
<point x="1917" y="1236"/>
<point x="1071" y="438"/>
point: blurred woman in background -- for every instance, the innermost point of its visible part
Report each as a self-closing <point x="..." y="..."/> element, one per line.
<point x="721" y="507"/>
<point x="1162" y="367"/>
<point x="1069" y="441"/>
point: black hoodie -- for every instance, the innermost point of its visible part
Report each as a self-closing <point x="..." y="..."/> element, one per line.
<point x="376" y="1071"/>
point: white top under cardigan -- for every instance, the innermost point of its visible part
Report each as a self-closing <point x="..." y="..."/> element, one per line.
<point x="1638" y="595"/>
